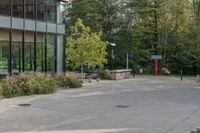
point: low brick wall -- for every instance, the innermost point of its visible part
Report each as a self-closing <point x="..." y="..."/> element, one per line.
<point x="120" y="74"/>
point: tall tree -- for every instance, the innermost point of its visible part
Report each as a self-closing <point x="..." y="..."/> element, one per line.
<point x="174" y="21"/>
<point x="99" y="15"/>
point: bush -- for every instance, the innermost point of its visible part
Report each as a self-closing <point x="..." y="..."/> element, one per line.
<point x="104" y="75"/>
<point x="27" y="84"/>
<point x="1" y="90"/>
<point x="30" y="84"/>
<point x="67" y="81"/>
<point x="10" y="88"/>
<point x="73" y="81"/>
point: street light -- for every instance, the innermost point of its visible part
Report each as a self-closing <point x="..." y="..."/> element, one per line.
<point x="112" y="53"/>
<point x="113" y="44"/>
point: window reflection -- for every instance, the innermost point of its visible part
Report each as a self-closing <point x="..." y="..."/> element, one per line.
<point x="4" y="42"/>
<point x="16" y="51"/>
<point x="28" y="52"/>
<point x="46" y="9"/>
<point x="17" y="8"/>
<point x="50" y="52"/>
<point x="5" y="7"/>
<point x="29" y="9"/>
<point x="51" y="11"/>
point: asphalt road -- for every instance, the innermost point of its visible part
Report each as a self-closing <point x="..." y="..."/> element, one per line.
<point x="139" y="105"/>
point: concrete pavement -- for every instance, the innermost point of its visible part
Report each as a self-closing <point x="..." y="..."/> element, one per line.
<point x="139" y="105"/>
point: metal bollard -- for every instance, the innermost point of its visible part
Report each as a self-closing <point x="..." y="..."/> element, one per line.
<point x="197" y="78"/>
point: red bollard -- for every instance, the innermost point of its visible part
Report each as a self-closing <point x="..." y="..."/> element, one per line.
<point x="156" y="67"/>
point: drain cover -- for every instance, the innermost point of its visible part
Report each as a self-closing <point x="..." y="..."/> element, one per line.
<point x="122" y="106"/>
<point x="24" y="105"/>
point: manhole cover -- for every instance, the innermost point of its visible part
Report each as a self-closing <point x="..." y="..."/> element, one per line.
<point x="122" y="106"/>
<point x="24" y="105"/>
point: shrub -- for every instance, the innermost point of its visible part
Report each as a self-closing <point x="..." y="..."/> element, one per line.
<point x="27" y="84"/>
<point x="104" y="74"/>
<point x="73" y="81"/>
<point x="67" y="80"/>
<point x="10" y="88"/>
<point x="61" y="80"/>
<point x="30" y="84"/>
<point x="1" y="90"/>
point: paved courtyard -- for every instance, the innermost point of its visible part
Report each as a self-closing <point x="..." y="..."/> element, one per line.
<point x="139" y="105"/>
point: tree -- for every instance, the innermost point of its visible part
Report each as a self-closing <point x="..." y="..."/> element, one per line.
<point x="88" y="11"/>
<point x="85" y="48"/>
<point x="147" y="20"/>
<point x="99" y="15"/>
<point x="139" y="27"/>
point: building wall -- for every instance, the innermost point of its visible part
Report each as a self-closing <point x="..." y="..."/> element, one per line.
<point x="35" y="45"/>
<point x="35" y="42"/>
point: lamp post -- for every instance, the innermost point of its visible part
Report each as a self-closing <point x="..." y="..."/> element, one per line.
<point x="127" y="60"/>
<point x="112" y="54"/>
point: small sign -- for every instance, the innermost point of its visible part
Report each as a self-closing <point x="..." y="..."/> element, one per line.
<point x="156" y="57"/>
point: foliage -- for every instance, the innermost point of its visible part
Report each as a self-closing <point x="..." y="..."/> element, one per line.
<point x="27" y="84"/>
<point x="67" y="81"/>
<point x="104" y="74"/>
<point x="85" y="48"/>
<point x="99" y="15"/>
<point x="1" y="90"/>
<point x="139" y="27"/>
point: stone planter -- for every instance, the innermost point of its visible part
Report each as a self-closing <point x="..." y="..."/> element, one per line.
<point x="120" y="74"/>
<point x="79" y="75"/>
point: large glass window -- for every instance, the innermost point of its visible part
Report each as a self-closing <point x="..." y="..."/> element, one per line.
<point x="29" y="9"/>
<point x="5" y="7"/>
<point x="16" y="51"/>
<point x="50" y="53"/>
<point x="40" y="52"/>
<point x="4" y="41"/>
<point x="46" y="10"/>
<point x="28" y="51"/>
<point x="41" y="10"/>
<point x="51" y="10"/>
<point x="18" y="8"/>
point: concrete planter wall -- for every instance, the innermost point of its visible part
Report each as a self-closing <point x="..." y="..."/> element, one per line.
<point x="79" y="75"/>
<point x="120" y="74"/>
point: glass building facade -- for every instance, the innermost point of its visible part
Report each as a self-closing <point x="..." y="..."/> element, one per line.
<point x="31" y="36"/>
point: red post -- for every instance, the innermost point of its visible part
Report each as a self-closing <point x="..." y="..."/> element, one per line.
<point x="156" y="67"/>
